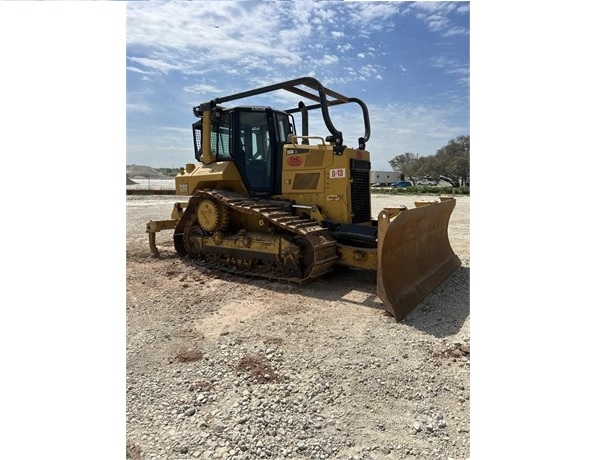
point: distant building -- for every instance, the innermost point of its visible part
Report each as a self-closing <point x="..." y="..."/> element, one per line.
<point x="386" y="177"/>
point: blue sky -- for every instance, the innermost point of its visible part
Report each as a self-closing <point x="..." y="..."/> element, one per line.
<point x="408" y="61"/>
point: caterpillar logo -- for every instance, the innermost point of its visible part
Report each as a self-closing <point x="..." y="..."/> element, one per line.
<point x="295" y="161"/>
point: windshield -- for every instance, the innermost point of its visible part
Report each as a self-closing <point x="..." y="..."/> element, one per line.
<point x="220" y="138"/>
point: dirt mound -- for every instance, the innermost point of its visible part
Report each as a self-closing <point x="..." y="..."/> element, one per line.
<point x="147" y="172"/>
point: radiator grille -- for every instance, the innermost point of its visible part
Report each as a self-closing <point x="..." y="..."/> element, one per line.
<point x="360" y="191"/>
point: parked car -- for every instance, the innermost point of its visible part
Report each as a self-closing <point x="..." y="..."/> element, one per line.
<point x="403" y="183"/>
<point x="427" y="182"/>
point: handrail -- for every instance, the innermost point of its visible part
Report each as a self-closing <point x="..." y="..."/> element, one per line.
<point x="295" y="138"/>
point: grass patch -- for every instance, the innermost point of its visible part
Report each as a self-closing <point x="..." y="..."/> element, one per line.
<point x="421" y="190"/>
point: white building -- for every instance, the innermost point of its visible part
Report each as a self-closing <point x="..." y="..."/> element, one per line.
<point x="385" y="177"/>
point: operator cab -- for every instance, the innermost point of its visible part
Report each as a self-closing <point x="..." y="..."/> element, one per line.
<point x="253" y="138"/>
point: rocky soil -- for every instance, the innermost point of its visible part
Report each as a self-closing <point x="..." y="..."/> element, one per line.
<point x="228" y="368"/>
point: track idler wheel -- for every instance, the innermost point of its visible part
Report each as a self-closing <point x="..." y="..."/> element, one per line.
<point x="212" y="215"/>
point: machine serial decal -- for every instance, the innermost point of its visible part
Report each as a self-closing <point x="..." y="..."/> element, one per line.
<point x="337" y="173"/>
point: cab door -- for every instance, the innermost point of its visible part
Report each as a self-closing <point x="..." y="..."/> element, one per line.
<point x="253" y="154"/>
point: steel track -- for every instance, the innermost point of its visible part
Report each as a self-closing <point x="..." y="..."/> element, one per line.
<point x="322" y="245"/>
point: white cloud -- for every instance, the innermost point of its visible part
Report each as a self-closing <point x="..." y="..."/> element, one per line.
<point x="453" y="67"/>
<point x="456" y="31"/>
<point x="436" y="15"/>
<point x="435" y="22"/>
<point x="156" y="64"/>
<point x="137" y="107"/>
<point x="293" y="36"/>
<point x="200" y="88"/>
<point x="138" y="70"/>
<point x="373" y="12"/>
<point x="370" y="71"/>
<point x="463" y="8"/>
<point x="432" y="7"/>
<point x="326" y="16"/>
<point x="350" y="71"/>
<point x="328" y="59"/>
<point x="288" y="60"/>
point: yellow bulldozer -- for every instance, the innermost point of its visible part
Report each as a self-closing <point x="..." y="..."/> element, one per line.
<point x="265" y="201"/>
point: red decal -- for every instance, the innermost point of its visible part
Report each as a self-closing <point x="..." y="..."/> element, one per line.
<point x="359" y="154"/>
<point x="295" y="161"/>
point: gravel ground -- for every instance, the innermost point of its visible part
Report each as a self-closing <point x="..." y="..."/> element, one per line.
<point x="230" y="368"/>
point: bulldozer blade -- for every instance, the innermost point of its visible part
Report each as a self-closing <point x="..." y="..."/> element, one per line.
<point x="414" y="254"/>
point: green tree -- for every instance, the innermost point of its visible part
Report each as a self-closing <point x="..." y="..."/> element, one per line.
<point x="451" y="160"/>
<point x="406" y="163"/>
<point x="455" y="157"/>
